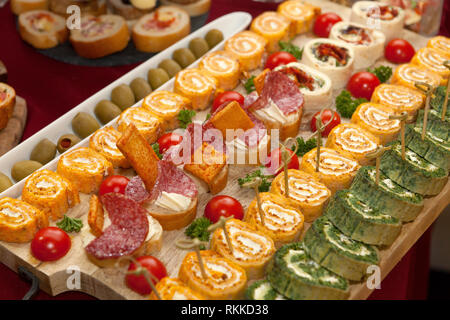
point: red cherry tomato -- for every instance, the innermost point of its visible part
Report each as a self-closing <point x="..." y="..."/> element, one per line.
<point x="275" y="161"/>
<point x="116" y="184"/>
<point x="225" y="206"/>
<point x="399" y="51"/>
<point x="324" y="23"/>
<point x="168" y="140"/>
<point x="227" y="96"/>
<point x="362" y="84"/>
<point x="326" y="116"/>
<point x="139" y="283"/>
<point x="50" y="244"/>
<point x="279" y="58"/>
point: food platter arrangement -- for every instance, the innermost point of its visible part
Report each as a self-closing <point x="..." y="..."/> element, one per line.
<point x="162" y="202"/>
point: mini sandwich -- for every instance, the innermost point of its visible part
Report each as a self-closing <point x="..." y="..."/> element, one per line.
<point x="335" y="58"/>
<point x="92" y="8"/>
<point x="21" y="6"/>
<point x="193" y="7"/>
<point x="100" y="36"/>
<point x="280" y="105"/>
<point x="42" y="29"/>
<point x="127" y="9"/>
<point x="7" y="103"/>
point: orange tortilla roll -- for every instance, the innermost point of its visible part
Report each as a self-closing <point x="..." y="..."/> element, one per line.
<point x="197" y="86"/>
<point x="399" y="98"/>
<point x="374" y="118"/>
<point x="248" y="47"/>
<point x="85" y="168"/>
<point x="100" y="36"/>
<point x="21" y="6"/>
<point x="232" y="117"/>
<point x="140" y="154"/>
<point x="225" y="280"/>
<point x="252" y="249"/>
<point x="283" y="222"/>
<point x="50" y="193"/>
<point x="96" y="216"/>
<point x="306" y="193"/>
<point x="174" y="289"/>
<point x="160" y="29"/>
<point x="7" y="103"/>
<point x="408" y="74"/>
<point x="353" y="141"/>
<point x="150" y="126"/>
<point x="224" y="67"/>
<point x="274" y="27"/>
<point x="335" y="171"/>
<point x="166" y="105"/>
<point x="19" y="221"/>
<point x="42" y="29"/>
<point x="433" y="60"/>
<point x="104" y="142"/>
<point x="440" y="43"/>
<point x="300" y="14"/>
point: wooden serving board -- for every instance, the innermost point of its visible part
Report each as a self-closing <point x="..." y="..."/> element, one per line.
<point x="10" y="136"/>
<point x="108" y="283"/>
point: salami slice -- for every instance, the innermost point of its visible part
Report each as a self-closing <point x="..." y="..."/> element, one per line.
<point x="250" y="99"/>
<point x="173" y="180"/>
<point x="281" y="90"/>
<point x="127" y="232"/>
<point x="136" y="191"/>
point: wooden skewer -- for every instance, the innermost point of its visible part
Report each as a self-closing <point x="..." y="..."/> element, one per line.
<point x="377" y="153"/>
<point x="255" y="183"/>
<point x="222" y="224"/>
<point x="320" y="126"/>
<point x="402" y="117"/>
<point x="444" y="106"/>
<point x="427" y="90"/>
<point x="187" y="244"/>
<point x="286" y="158"/>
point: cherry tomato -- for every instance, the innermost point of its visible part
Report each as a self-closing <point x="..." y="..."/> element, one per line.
<point x="399" y="51"/>
<point x="275" y="161"/>
<point x="139" y="283"/>
<point x="50" y="244"/>
<point x="362" y="84"/>
<point x="227" y="96"/>
<point x="279" y="58"/>
<point x="223" y="206"/>
<point x="324" y="23"/>
<point x="326" y="116"/>
<point x="116" y="184"/>
<point x="168" y="140"/>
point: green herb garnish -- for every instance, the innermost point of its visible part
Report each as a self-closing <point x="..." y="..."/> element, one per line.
<point x="250" y="85"/>
<point x="291" y="48"/>
<point x="155" y="147"/>
<point x="346" y="104"/>
<point x="265" y="180"/>
<point x="304" y="146"/>
<point x="199" y="229"/>
<point x="70" y="224"/>
<point x="383" y="73"/>
<point x="208" y="116"/>
<point x="185" y="117"/>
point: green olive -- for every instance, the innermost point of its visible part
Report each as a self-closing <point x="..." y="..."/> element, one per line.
<point x="184" y="57"/>
<point x="157" y="77"/>
<point x="106" y="111"/>
<point x="84" y="124"/>
<point x="23" y="169"/>
<point x="140" y="88"/>
<point x="213" y="37"/>
<point x="5" y="182"/>
<point x="123" y="96"/>
<point x="67" y="141"/>
<point x="43" y="152"/>
<point x="170" y="66"/>
<point x="199" y="47"/>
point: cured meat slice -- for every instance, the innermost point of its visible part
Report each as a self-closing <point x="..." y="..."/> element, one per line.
<point x="127" y="232"/>
<point x="136" y="191"/>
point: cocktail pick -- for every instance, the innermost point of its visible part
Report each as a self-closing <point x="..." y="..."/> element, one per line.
<point x="141" y="271"/>
<point x="221" y="224"/>
<point x="285" y="159"/>
<point x="255" y="183"/>
<point x="428" y="91"/>
<point x="402" y="117"/>
<point x="444" y="106"/>
<point x="377" y="153"/>
<point x="320" y="126"/>
<point x="188" y="244"/>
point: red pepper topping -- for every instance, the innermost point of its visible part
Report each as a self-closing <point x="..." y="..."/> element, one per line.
<point x="363" y="35"/>
<point x="330" y="50"/>
<point x="301" y="78"/>
<point x="382" y="12"/>
<point x="157" y="23"/>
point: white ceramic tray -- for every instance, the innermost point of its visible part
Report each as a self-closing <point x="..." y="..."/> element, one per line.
<point x="229" y="24"/>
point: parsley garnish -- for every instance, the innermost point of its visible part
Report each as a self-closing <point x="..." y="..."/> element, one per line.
<point x="291" y="48"/>
<point x="185" y="117"/>
<point x="304" y="146"/>
<point x="265" y="180"/>
<point x="383" y="73"/>
<point x="155" y="147"/>
<point x="70" y="224"/>
<point x="199" y="229"/>
<point x="250" y="85"/>
<point x="346" y="105"/>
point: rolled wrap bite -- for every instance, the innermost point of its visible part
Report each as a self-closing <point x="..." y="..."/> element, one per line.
<point x="104" y="142"/>
<point x="273" y="26"/>
<point x="223" y="67"/>
<point x="197" y="86"/>
<point x="248" y="47"/>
